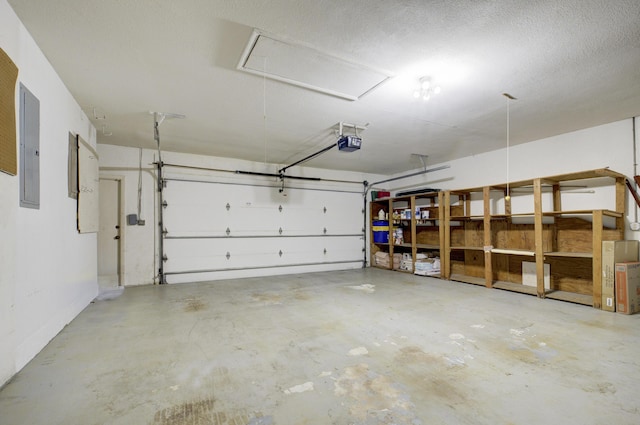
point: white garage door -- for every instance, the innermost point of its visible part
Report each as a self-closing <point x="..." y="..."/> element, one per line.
<point x="216" y="230"/>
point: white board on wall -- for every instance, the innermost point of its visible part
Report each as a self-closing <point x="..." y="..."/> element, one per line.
<point x="529" y="274"/>
<point x="88" y="183"/>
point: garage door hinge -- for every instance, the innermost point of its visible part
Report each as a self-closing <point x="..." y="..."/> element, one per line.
<point x="280" y="253"/>
<point x="280" y="208"/>
<point x="228" y="231"/>
<point x="164" y="183"/>
<point x="165" y="258"/>
<point x="280" y="230"/>
<point x="164" y="232"/>
<point x="325" y="230"/>
<point x="228" y="206"/>
<point x="325" y="251"/>
<point x="325" y="210"/>
<point x="228" y="255"/>
<point x="164" y="204"/>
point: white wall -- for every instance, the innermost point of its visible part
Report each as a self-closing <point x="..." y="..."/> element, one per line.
<point x="609" y="145"/>
<point x="43" y="287"/>
<point x="603" y="146"/>
<point x="47" y="269"/>
<point x="140" y="261"/>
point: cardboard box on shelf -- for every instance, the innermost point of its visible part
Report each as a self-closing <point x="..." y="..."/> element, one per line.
<point x="614" y="252"/>
<point x="628" y="287"/>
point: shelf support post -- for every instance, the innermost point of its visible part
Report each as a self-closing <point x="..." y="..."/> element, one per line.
<point x="488" y="270"/>
<point x="414" y="235"/>
<point x="537" y="226"/>
<point x="621" y="202"/>
<point x="444" y="257"/>
<point x="597" y="258"/>
<point x="446" y="265"/>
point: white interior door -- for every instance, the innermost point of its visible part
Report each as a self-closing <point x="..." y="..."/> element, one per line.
<point x="109" y="234"/>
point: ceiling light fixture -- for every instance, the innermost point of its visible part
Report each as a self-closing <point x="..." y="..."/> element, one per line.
<point x="426" y="89"/>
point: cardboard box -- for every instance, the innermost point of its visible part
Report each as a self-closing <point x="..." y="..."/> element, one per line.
<point x="614" y="252"/>
<point x="628" y="287"/>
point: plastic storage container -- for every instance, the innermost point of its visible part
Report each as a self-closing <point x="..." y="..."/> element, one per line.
<point x="380" y="231"/>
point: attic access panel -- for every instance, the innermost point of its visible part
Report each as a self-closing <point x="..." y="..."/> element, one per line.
<point x="306" y="67"/>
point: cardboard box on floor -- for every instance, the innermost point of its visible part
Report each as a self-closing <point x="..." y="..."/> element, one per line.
<point x="628" y="287"/>
<point x="614" y="252"/>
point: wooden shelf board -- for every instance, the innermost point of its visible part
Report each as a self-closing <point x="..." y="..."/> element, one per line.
<point x="513" y="252"/>
<point x="468" y="279"/>
<point x="465" y="217"/>
<point x="402" y="245"/>
<point x="468" y="248"/>
<point x="590" y="174"/>
<point x="569" y="254"/>
<point x="512" y="215"/>
<point x="381" y="243"/>
<point x="612" y="213"/>
<point x="515" y="287"/>
<point x="438" y="275"/>
<point x="403" y="271"/>
<point x="427" y="246"/>
<point x="580" y="212"/>
<point x="570" y="297"/>
<point x="402" y="198"/>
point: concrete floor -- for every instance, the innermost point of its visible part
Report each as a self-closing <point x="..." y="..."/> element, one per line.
<point x="353" y="347"/>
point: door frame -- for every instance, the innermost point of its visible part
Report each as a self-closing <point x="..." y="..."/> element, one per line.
<point x="121" y="222"/>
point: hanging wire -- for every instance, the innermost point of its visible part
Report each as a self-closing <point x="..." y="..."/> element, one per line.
<point x="508" y="193"/>
<point x="140" y="185"/>
<point x="264" y="108"/>
<point x="509" y="99"/>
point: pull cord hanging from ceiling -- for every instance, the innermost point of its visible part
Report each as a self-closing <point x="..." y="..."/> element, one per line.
<point x="264" y="109"/>
<point x="509" y="99"/>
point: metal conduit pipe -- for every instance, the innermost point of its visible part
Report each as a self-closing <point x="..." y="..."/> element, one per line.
<point x="255" y="173"/>
<point x="260" y="185"/>
<point x="280" y="176"/>
<point x="442" y="167"/>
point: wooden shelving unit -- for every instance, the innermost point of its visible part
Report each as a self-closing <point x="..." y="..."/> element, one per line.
<point x="490" y="248"/>
<point x="482" y="246"/>
<point x="421" y="220"/>
<point x="375" y="207"/>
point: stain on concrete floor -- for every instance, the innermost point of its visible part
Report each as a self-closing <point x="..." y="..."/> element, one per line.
<point x="201" y="412"/>
<point x="194" y="304"/>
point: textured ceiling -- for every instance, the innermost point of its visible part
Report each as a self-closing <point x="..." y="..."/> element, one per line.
<point x="571" y="64"/>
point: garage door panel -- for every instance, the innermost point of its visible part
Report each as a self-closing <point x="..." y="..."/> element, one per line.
<point x="225" y="227"/>
<point x="257" y="220"/>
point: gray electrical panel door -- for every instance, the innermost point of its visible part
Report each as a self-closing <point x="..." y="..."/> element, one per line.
<point x="29" y="149"/>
